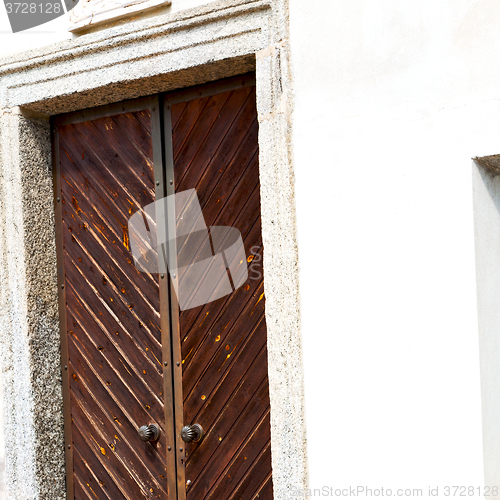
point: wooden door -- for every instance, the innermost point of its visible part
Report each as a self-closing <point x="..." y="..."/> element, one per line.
<point x="130" y="356"/>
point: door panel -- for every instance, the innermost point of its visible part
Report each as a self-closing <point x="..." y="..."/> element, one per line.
<point x="224" y="357"/>
<point x="114" y="348"/>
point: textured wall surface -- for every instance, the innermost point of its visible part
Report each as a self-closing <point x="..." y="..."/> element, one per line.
<point x="30" y="354"/>
<point x="176" y="50"/>
<point x="274" y="101"/>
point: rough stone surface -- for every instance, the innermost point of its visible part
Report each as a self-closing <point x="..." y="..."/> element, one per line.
<point x="274" y="105"/>
<point x="33" y="419"/>
<point x="43" y="311"/>
<point x="217" y="40"/>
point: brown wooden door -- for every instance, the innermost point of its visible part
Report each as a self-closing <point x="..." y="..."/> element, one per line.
<point x="130" y="355"/>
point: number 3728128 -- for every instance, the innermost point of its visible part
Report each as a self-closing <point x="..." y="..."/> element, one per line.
<point x="34" y="8"/>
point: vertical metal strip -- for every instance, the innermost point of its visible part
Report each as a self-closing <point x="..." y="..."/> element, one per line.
<point x="174" y="306"/>
<point x="161" y="190"/>
<point x="58" y="202"/>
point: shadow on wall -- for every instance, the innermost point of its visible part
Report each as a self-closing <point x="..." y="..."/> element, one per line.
<point x="488" y="167"/>
<point x="486" y="196"/>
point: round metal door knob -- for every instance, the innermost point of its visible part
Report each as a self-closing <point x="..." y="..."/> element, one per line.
<point x="192" y="433"/>
<point x="149" y="432"/>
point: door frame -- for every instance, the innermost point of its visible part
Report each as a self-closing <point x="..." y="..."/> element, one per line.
<point x="214" y="41"/>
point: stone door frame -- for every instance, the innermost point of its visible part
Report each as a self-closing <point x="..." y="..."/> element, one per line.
<point x="218" y="40"/>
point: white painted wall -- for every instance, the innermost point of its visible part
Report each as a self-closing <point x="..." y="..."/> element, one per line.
<point x="392" y="99"/>
<point x="39" y="36"/>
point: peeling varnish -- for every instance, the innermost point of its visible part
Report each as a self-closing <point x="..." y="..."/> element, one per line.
<point x="91" y="472"/>
<point x="229" y="355"/>
<point x="157" y="360"/>
<point x="74" y="201"/>
<point x="206" y="314"/>
<point x="187" y="355"/>
<point x="99" y="231"/>
<point x="67" y="154"/>
<point x="260" y="298"/>
<point x="90" y="488"/>
<point x="131" y="206"/>
<point x="126" y="242"/>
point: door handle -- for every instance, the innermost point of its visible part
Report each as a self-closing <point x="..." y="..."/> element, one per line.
<point x="150" y="432"/>
<point x="192" y="433"/>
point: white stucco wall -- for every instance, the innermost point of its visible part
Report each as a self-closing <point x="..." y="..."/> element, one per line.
<point x="392" y="99"/>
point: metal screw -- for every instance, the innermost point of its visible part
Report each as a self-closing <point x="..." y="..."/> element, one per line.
<point x="169" y="448"/>
<point x="188" y="482"/>
<point x="178" y="363"/>
<point x="166" y="363"/>
<point x="58" y="199"/>
<point x="162" y="276"/>
<point x="174" y="276"/>
<point x="181" y="449"/>
<point x="171" y="182"/>
<point x="157" y="183"/>
<point x="69" y="446"/>
<point x="65" y="367"/>
<point x="62" y="286"/>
